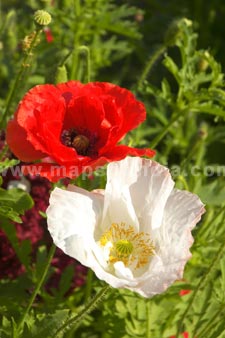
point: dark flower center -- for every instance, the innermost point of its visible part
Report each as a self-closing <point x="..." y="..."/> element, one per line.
<point x="80" y="142"/>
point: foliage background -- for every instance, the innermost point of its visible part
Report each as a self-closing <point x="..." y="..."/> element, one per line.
<point x="175" y="66"/>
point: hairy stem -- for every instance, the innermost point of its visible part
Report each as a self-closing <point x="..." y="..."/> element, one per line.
<point x="164" y="131"/>
<point x="75" y="321"/>
<point x="151" y="63"/>
<point x="201" y="283"/>
<point x="88" y="287"/>
<point x="18" y="77"/>
<point x="38" y="286"/>
<point x="211" y="324"/>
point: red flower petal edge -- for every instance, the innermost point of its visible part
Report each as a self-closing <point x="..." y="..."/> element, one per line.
<point x="73" y="126"/>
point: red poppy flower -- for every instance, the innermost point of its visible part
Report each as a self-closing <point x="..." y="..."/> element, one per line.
<point x="74" y="126"/>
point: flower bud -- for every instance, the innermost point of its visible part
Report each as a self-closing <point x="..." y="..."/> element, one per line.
<point x="42" y="18"/>
<point x="61" y="74"/>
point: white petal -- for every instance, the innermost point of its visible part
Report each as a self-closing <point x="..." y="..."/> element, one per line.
<point x="139" y="193"/>
<point x="118" y="207"/>
<point x="152" y="282"/>
<point x="182" y="211"/>
<point x="122" y="272"/>
<point x="121" y="277"/>
<point x="72" y="218"/>
<point x="120" y="281"/>
<point x="147" y="183"/>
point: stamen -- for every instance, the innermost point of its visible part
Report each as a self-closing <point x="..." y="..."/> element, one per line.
<point x="132" y="248"/>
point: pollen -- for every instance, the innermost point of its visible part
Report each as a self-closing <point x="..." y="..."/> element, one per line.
<point x="133" y="248"/>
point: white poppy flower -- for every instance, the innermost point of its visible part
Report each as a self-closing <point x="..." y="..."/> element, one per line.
<point x="135" y="234"/>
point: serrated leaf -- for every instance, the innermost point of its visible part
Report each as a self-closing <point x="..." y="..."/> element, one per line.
<point x="209" y="108"/>
<point x="172" y="67"/>
<point x="9" y="213"/>
<point x="46" y="325"/>
<point x="7" y="163"/>
<point x="16" y="199"/>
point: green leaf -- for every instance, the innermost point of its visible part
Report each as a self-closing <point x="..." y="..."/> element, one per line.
<point x="7" y="163"/>
<point x="212" y="193"/>
<point x="172" y="67"/>
<point x="16" y="199"/>
<point x="8" y="212"/>
<point x="45" y="325"/>
<point x="22" y="249"/>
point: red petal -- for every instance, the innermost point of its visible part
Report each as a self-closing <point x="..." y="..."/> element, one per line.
<point x="16" y="139"/>
<point x="132" y="111"/>
<point x="121" y="151"/>
<point x="40" y="105"/>
<point x="60" y="153"/>
<point x="86" y="112"/>
<point x="104" y="110"/>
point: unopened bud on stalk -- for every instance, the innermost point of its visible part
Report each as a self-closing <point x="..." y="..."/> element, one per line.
<point x="203" y="63"/>
<point x="42" y="18"/>
<point x="203" y="131"/>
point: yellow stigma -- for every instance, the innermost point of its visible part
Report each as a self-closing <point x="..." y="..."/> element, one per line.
<point x="133" y="248"/>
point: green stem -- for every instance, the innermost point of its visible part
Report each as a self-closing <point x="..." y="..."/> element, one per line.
<point x="159" y="137"/>
<point x="77" y="32"/>
<point x="74" y="65"/>
<point x="75" y="321"/>
<point x="3" y="151"/>
<point x="191" y="153"/>
<point x="88" y="285"/>
<point x="201" y="283"/>
<point x="184" y="182"/>
<point x="207" y="225"/>
<point x="88" y="58"/>
<point x="151" y="63"/>
<point x="75" y="60"/>
<point x="18" y="77"/>
<point x="148" y="327"/>
<point x="211" y="324"/>
<point x="77" y="8"/>
<point x="38" y="286"/>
